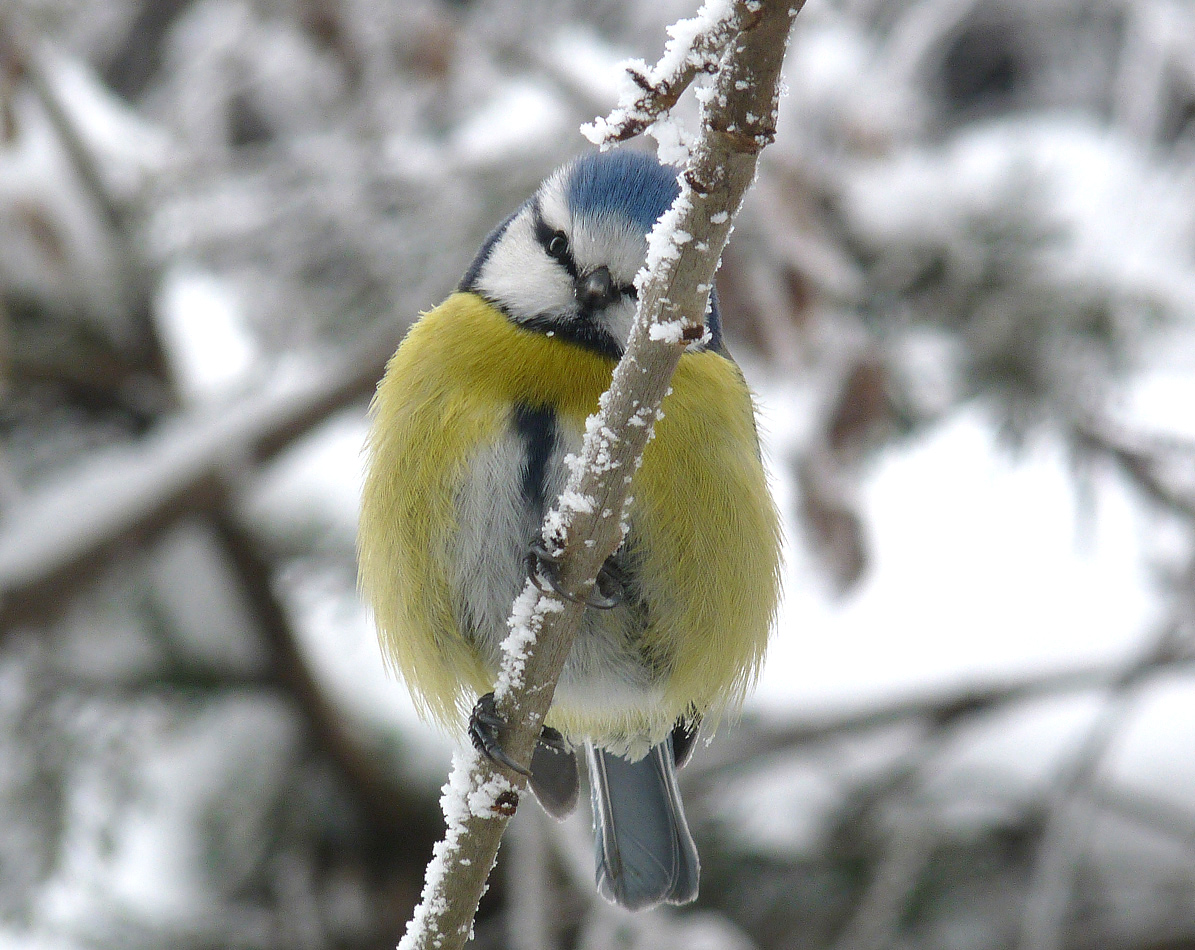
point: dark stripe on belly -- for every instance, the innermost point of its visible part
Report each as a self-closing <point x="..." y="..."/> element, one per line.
<point x="536" y="427"/>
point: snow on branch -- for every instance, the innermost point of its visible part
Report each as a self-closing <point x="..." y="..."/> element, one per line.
<point x="742" y="44"/>
<point x="74" y="522"/>
<point x="695" y="46"/>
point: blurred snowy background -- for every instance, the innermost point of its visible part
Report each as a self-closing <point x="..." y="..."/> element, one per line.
<point x="964" y="289"/>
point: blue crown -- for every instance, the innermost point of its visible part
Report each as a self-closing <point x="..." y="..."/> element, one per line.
<point x="632" y="184"/>
<point x="636" y="186"/>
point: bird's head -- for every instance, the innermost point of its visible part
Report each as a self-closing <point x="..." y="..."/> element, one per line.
<point x="565" y="262"/>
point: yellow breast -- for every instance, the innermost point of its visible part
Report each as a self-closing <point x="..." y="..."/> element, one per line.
<point x="702" y="513"/>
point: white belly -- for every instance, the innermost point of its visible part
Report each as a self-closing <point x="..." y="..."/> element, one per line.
<point x="605" y="669"/>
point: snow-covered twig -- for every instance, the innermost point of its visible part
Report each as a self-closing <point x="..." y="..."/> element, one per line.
<point x="587" y="523"/>
<point x="695" y="46"/>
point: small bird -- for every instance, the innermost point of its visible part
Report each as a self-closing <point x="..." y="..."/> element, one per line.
<point x="471" y="428"/>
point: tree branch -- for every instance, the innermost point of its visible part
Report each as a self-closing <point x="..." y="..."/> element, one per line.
<point x="388" y="807"/>
<point x="696" y="46"/>
<point x="1144" y="463"/>
<point x="57" y="534"/>
<point x="586" y="525"/>
<point x="1051" y="884"/>
<point x="24" y="57"/>
<point x="940" y="708"/>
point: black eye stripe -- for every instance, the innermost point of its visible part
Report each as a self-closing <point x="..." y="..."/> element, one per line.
<point x="547" y="236"/>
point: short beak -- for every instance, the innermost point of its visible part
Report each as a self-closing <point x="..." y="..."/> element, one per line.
<point x="596" y="289"/>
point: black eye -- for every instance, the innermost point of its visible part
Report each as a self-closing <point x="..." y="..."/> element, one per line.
<point x="558" y="245"/>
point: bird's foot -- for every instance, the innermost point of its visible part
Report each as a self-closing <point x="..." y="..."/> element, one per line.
<point x="609" y="590"/>
<point x="485" y="732"/>
<point x="553" y="774"/>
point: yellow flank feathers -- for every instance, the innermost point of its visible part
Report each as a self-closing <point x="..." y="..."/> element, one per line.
<point x="702" y="515"/>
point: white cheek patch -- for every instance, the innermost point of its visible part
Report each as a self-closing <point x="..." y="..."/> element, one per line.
<point x="618" y="318"/>
<point x="521" y="277"/>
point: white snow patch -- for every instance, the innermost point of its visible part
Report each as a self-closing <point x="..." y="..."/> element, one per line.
<point x="203" y="326"/>
<point x="589" y="61"/>
<point x="313" y="489"/>
<point x="1162" y="402"/>
<point x="525" y="622"/>
<point x="667" y="331"/>
<point x="1152" y="754"/>
<point x="576" y="502"/>
<point x="983" y="568"/>
<point x="674" y="142"/>
<point x="129" y="149"/>
<point x="520" y="115"/>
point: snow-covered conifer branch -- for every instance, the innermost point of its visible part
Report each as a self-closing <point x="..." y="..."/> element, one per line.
<point x="747" y="41"/>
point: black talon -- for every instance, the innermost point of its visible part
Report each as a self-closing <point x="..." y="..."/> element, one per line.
<point x="553" y="773"/>
<point x="485" y="731"/>
<point x="609" y="590"/>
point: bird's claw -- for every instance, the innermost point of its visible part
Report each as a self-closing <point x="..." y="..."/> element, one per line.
<point x="485" y="732"/>
<point x="609" y="589"/>
<point x="553" y="773"/>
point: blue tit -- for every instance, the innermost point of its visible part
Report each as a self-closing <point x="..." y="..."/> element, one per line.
<point x="471" y="427"/>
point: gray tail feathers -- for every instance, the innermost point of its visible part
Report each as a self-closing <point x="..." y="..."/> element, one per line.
<point x="645" y="853"/>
